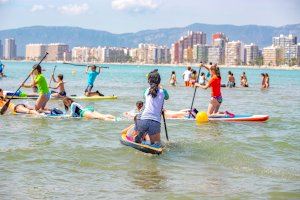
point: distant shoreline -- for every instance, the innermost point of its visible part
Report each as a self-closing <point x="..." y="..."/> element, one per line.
<point x="281" y="67"/>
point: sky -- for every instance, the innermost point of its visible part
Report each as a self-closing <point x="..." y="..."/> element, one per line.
<point x="123" y="16"/>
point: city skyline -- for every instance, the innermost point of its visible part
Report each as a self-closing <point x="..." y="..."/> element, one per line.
<point x="121" y="16"/>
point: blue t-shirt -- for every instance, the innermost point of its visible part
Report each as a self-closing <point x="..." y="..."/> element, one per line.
<point x="92" y="75"/>
<point x="1" y="67"/>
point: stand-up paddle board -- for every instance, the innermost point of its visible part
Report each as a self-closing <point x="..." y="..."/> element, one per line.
<point x="141" y="147"/>
<point x="241" y="118"/>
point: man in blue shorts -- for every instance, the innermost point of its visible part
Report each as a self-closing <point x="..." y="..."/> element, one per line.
<point x="92" y="75"/>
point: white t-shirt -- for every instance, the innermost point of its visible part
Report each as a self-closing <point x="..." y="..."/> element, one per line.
<point x="187" y="75"/>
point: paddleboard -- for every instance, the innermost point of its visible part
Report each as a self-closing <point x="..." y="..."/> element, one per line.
<point x="95" y="97"/>
<point x="73" y="97"/>
<point x="241" y="118"/>
<point x="141" y="147"/>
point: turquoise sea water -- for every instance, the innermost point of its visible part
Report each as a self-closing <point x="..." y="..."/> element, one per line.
<point x="76" y="159"/>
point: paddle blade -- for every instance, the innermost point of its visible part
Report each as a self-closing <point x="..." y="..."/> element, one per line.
<point x="4" y="108"/>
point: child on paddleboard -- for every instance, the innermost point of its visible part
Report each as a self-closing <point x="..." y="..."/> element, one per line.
<point x="60" y="86"/>
<point x="88" y="112"/>
<point x="216" y="96"/>
<point x="92" y="75"/>
<point x="150" y="119"/>
<point x="40" y="81"/>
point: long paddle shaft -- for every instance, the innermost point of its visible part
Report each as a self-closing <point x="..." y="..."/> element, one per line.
<point x="52" y="74"/>
<point x="165" y="124"/>
<point x="4" y="108"/>
<point x="83" y="65"/>
<point x="195" y="90"/>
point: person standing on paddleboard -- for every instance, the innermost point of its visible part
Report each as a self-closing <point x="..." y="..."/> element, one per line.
<point x="40" y="81"/>
<point x="216" y="96"/>
<point x="150" y="119"/>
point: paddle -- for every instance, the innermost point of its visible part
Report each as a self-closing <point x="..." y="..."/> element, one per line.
<point x="165" y="124"/>
<point x="195" y="90"/>
<point x="4" y="108"/>
<point x="66" y="63"/>
<point x="52" y="75"/>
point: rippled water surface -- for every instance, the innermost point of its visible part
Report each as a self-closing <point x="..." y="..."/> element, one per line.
<point x="75" y="159"/>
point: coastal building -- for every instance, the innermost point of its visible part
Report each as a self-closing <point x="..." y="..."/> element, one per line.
<point x="1" y="50"/>
<point x="214" y="54"/>
<point x="220" y="40"/>
<point x="56" y="51"/>
<point x="10" y="49"/>
<point x="233" y="53"/>
<point x="35" y="52"/>
<point x="200" y="52"/>
<point x="153" y="54"/>
<point x="251" y="53"/>
<point x="182" y="48"/>
<point x="289" y="45"/>
<point x="283" y="41"/>
<point x="80" y="54"/>
<point x="133" y="53"/>
<point x="188" y="55"/>
<point x="273" y="55"/>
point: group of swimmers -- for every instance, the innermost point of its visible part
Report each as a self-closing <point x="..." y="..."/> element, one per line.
<point x="190" y="79"/>
<point x="39" y="81"/>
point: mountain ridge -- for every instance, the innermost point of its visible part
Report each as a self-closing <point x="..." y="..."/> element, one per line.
<point x="78" y="36"/>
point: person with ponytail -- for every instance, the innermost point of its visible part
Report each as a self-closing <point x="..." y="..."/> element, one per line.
<point x="216" y="96"/>
<point x="149" y="122"/>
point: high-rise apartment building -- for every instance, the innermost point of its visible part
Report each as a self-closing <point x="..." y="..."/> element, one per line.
<point x="10" y="49"/>
<point x="273" y="55"/>
<point x="35" y="51"/>
<point x="215" y="54"/>
<point x="182" y="48"/>
<point x="56" y="51"/>
<point x="289" y="46"/>
<point x="233" y="53"/>
<point x="251" y="53"/>
<point x="200" y="53"/>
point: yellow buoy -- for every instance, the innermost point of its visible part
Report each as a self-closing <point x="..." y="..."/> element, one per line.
<point x="201" y="117"/>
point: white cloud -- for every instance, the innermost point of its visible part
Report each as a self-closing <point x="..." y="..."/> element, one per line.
<point x="134" y="5"/>
<point x="37" y="8"/>
<point x="73" y="9"/>
<point x="3" y="1"/>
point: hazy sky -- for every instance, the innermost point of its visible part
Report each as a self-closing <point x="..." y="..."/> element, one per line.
<point x="120" y="16"/>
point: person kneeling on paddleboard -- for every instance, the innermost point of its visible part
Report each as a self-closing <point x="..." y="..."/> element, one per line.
<point x="149" y="122"/>
<point x="92" y="75"/>
<point x="88" y="112"/>
<point x="216" y="96"/>
<point x="60" y="85"/>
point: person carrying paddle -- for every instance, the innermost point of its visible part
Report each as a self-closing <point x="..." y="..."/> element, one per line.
<point x="60" y="86"/>
<point x="40" y="81"/>
<point x="216" y="96"/>
<point x="150" y="118"/>
<point x="92" y="75"/>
